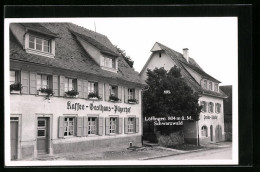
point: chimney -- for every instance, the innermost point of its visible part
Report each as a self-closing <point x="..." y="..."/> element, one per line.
<point x="186" y="54"/>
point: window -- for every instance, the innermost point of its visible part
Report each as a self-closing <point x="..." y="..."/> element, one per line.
<point x="41" y="128"/>
<point x="217" y="106"/>
<point x="131" y="93"/>
<point x="210" y="85"/>
<point x="93" y="87"/>
<point x="43" y="81"/>
<point x="205" y="84"/>
<point x="112" y="129"/>
<point x="113" y="90"/>
<point x="39" y="44"/>
<point x="204" y="131"/>
<point x="69" y="125"/>
<point x="108" y="62"/>
<point x="130" y="124"/>
<point x="70" y="84"/>
<point x="216" y="87"/>
<point x="211" y="106"/>
<point x="92" y="125"/>
<point x="14" y="78"/>
<point x="204" y="106"/>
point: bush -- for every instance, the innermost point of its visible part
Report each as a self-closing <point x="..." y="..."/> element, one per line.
<point x="16" y="86"/>
<point x="175" y="138"/>
<point x="72" y="93"/>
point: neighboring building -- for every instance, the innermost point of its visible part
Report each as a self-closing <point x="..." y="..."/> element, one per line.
<point x="66" y="58"/>
<point x="227" y="89"/>
<point x="211" y="123"/>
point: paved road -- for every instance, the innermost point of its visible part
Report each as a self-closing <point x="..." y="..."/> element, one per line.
<point x="222" y="154"/>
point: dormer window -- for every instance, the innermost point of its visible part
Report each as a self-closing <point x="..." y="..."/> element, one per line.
<point x="216" y="87"/>
<point x="210" y="86"/>
<point x="39" y="44"/>
<point x="109" y="63"/>
<point x="205" y="83"/>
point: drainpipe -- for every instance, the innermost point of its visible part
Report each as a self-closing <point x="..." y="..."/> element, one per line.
<point x="198" y="139"/>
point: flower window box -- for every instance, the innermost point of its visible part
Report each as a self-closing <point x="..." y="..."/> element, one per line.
<point x="15" y="88"/>
<point x="132" y="101"/>
<point x="94" y="96"/>
<point x="113" y="98"/>
<point x="45" y="92"/>
<point x="72" y="94"/>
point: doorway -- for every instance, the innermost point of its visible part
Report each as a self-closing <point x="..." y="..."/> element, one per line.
<point x="218" y="133"/>
<point x="14" y="137"/>
<point x="43" y="131"/>
<point x="211" y="133"/>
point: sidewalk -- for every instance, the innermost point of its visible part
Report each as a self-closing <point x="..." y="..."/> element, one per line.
<point x="135" y="153"/>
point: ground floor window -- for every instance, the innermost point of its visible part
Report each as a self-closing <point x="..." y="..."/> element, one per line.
<point x="130" y="124"/>
<point x="69" y="125"/>
<point x="204" y="131"/>
<point x="112" y="129"/>
<point x="92" y="125"/>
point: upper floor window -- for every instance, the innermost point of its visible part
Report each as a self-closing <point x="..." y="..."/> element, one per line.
<point x="14" y="76"/>
<point x="43" y="81"/>
<point x="210" y="86"/>
<point x="113" y="90"/>
<point x="204" y="106"/>
<point x="217" y="107"/>
<point x="211" y="107"/>
<point x="216" y="87"/>
<point x="70" y="84"/>
<point x="92" y="87"/>
<point x="39" y="44"/>
<point x="108" y="62"/>
<point x="131" y="93"/>
<point x="205" y="84"/>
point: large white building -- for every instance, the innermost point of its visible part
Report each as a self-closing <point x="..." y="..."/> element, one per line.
<point x="66" y="58"/>
<point x="211" y="123"/>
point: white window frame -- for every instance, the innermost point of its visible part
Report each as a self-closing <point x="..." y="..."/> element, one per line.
<point x="92" y="126"/>
<point x="211" y="107"/>
<point x="68" y="86"/>
<point x="216" y="87"/>
<point x="205" y="84"/>
<point x="114" y="93"/>
<point x="130" y="124"/>
<point x="131" y="93"/>
<point x="42" y="43"/>
<point x="40" y="82"/>
<point x="68" y="126"/>
<point x="204" y="131"/>
<point x="92" y="88"/>
<point x="204" y="106"/>
<point x="210" y="86"/>
<point x="113" y="128"/>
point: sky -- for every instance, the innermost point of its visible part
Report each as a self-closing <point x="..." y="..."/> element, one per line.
<point x="212" y="41"/>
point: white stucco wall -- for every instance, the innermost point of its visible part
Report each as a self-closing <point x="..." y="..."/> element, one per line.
<point x="30" y="105"/>
<point x="156" y="61"/>
<point x="213" y="122"/>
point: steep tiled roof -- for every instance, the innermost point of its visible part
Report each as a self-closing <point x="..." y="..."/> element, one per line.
<point x="70" y="55"/>
<point x="192" y="63"/>
<point x="38" y="27"/>
<point x="227" y="89"/>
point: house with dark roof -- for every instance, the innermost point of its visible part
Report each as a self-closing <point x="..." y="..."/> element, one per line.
<point x="211" y="123"/>
<point x="70" y="91"/>
<point x="227" y="89"/>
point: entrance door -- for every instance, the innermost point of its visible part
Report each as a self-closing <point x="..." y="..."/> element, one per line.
<point x="218" y="133"/>
<point x="14" y="138"/>
<point x="42" y="135"/>
<point x="211" y="133"/>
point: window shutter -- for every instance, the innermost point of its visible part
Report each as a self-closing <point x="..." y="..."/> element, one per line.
<point x="26" y="45"/>
<point x="79" y="88"/>
<point x="62" y="78"/>
<point x="209" y="107"/>
<point x="107" y="126"/>
<point x="212" y="107"/>
<point x="216" y="107"/>
<point x="126" y="95"/>
<point x="137" y="125"/>
<point x="220" y="110"/>
<point x="137" y="95"/>
<point x="33" y="83"/>
<point x="25" y="82"/>
<point x="53" y="47"/>
<point x="126" y="125"/>
<point x="120" y="123"/>
<point x="85" y="89"/>
<point x="107" y="92"/>
<point x="61" y="127"/>
<point x="100" y="126"/>
<point x="119" y="92"/>
<point x="55" y="85"/>
<point x="100" y="90"/>
<point x="79" y="126"/>
<point x="85" y="126"/>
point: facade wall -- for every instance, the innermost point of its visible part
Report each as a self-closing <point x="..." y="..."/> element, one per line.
<point x="211" y="119"/>
<point x="31" y="106"/>
<point x="156" y="61"/>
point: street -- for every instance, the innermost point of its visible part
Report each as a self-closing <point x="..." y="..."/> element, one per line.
<point x="222" y="154"/>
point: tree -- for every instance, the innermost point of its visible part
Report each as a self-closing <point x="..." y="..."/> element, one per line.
<point x="127" y="58"/>
<point x="181" y="101"/>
